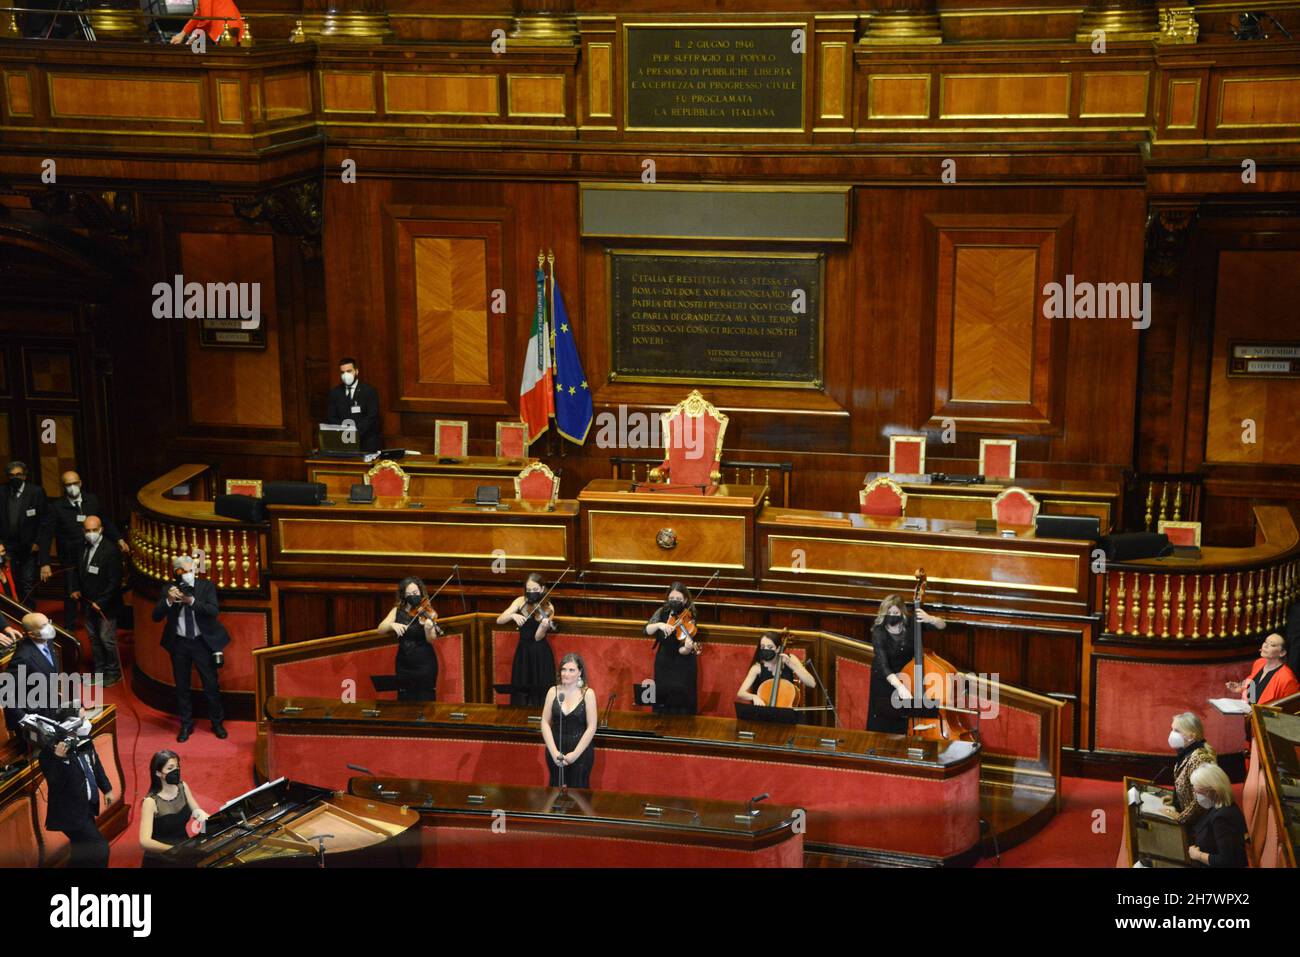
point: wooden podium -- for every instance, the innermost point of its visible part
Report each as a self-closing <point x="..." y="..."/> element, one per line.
<point x="657" y="532"/>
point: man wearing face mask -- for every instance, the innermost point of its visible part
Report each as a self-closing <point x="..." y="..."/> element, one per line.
<point x="76" y="777"/>
<point x="34" y="654"/>
<point x="892" y="639"/>
<point x="24" y="517"/>
<point x="355" y="401"/>
<point x="97" y="584"/>
<point x="65" y="527"/>
<point x="194" y="638"/>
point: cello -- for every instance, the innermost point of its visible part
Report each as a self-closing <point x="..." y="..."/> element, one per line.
<point x="927" y="675"/>
<point x="781" y="692"/>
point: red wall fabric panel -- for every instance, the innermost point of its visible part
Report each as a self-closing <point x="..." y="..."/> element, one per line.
<point x="1135" y="702"/>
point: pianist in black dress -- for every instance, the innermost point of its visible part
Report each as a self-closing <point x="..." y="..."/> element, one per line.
<point x="676" y="668"/>
<point x="534" y="662"/>
<point x="167" y="808"/>
<point x="1219" y="838"/>
<point x="574" y="745"/>
<point x="416" y="662"/>
<point x="891" y="637"/>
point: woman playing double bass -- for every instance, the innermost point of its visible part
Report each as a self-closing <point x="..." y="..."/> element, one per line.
<point x="891" y="636"/>
<point x="764" y="667"/>
<point x="674" y="631"/>
<point x="534" y="661"/>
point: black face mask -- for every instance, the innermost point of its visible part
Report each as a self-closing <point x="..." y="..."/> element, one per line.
<point x="893" y="620"/>
<point x="533" y="596"/>
<point x="677" y="607"/>
<point x="173" y="776"/>
<point x="413" y="600"/>
<point x="766" y="654"/>
<point x="16" y="480"/>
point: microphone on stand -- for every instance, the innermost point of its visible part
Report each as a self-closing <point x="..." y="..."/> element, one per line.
<point x="754" y="800"/>
<point x="559" y="697"/>
<point x="835" y="715"/>
<point x="609" y="706"/>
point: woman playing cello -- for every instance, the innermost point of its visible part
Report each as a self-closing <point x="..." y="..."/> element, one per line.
<point x="764" y="667"/>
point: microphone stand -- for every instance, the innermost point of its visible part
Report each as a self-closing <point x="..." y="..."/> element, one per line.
<point x="559" y="698"/>
<point x="609" y="706"/>
<point x="826" y="690"/>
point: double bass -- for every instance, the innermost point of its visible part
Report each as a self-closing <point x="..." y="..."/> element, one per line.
<point x="933" y="676"/>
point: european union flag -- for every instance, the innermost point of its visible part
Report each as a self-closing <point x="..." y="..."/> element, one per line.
<point x="573" y="409"/>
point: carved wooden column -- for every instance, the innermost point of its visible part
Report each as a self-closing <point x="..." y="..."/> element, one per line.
<point x="1120" y="19"/>
<point x="548" y="22"/>
<point x="115" y="19"/>
<point x="902" y="22"/>
<point x="360" y="21"/>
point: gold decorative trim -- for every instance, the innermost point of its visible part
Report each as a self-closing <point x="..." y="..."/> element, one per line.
<point x="460" y="425"/>
<point x="943" y="96"/>
<point x="455" y="531"/>
<point x="31" y="91"/>
<point x="846" y="82"/>
<point x="510" y="94"/>
<point x="388" y="465"/>
<point x="1223" y="85"/>
<point x="897" y="440"/>
<point x="194" y="81"/>
<point x="374" y="103"/>
<point x="404" y="74"/>
<point x="871" y="95"/>
<point x="890" y="28"/>
<point x="235" y="483"/>
<point x="221" y="113"/>
<point x="607" y="96"/>
<point x="1178" y="25"/>
<point x="1012" y="443"/>
<point x="341" y="27"/>
<point x="696" y="516"/>
<point x="528" y="470"/>
<point x="545" y="29"/>
<point x="1007" y="493"/>
<point x="1196" y="104"/>
<point x="1146" y="94"/>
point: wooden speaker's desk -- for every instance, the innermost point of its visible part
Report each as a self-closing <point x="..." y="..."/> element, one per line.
<point x="429" y="477"/>
<point x="501" y="825"/>
<point x="926" y="499"/>
<point x="882" y="796"/>
<point x="394" y="538"/>
<point x="667" y="533"/>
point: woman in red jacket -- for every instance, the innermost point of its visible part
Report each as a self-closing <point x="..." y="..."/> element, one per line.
<point x="1270" y="678"/>
<point x="224" y="10"/>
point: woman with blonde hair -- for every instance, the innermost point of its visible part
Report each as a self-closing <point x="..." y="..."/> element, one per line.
<point x="1187" y="739"/>
<point x="891" y="637"/>
<point x="1220" y="836"/>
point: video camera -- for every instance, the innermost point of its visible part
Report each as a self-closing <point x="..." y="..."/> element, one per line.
<point x="42" y="731"/>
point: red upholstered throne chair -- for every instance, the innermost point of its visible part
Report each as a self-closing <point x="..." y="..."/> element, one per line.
<point x="693" y="430"/>
<point x="907" y="454"/>
<point x="450" y="439"/>
<point x="1186" y="534"/>
<point x="537" y="483"/>
<point x="998" y="458"/>
<point x="1015" y="506"/>
<point x="512" y="440"/>
<point x="388" y="479"/>
<point x="883" y="497"/>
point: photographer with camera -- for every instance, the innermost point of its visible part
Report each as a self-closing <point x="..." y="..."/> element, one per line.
<point x="194" y="638"/>
<point x="75" y="777"/>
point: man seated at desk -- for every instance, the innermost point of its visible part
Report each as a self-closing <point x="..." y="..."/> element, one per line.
<point x="355" y="402"/>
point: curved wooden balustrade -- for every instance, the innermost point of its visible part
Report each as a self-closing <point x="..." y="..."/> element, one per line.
<point x="229" y="552"/>
<point x="1227" y="593"/>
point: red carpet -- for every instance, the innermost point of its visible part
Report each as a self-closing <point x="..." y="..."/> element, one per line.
<point x="219" y="770"/>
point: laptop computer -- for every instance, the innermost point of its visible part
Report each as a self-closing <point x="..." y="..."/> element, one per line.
<point x="337" y="440"/>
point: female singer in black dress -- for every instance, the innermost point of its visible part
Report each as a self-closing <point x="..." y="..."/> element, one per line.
<point x="534" y="663"/>
<point x="891" y="637"/>
<point x="167" y="808"/>
<point x="763" y="667"/>
<point x="676" y="668"/>
<point x="573" y="745"/>
<point x="416" y="662"/>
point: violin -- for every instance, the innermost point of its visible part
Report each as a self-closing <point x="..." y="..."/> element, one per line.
<point x="542" y="609"/>
<point x="424" y="611"/>
<point x="781" y="692"/>
<point x="929" y="674"/>
<point x="684" y="624"/>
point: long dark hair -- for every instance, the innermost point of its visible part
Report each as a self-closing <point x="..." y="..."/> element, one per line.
<point x="771" y="636"/>
<point x="582" y="670"/>
<point x="406" y="583"/>
<point x="156" y="764"/>
<point x="678" y="586"/>
<point x="535" y="577"/>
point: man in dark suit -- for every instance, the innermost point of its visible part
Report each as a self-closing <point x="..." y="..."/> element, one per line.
<point x="24" y="513"/>
<point x="357" y="402"/>
<point x="67" y="516"/>
<point x="76" y="777"/>
<point x="35" y="654"/>
<point x="194" y="638"/>
<point x="97" y="584"/>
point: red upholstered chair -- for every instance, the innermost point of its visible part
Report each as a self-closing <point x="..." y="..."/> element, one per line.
<point x="998" y="458"/>
<point x="883" y="497"/>
<point x="450" y="439"/>
<point x="1015" y="506"/>
<point x="512" y="440"/>
<point x="1186" y="534"/>
<point x="388" y="479"/>
<point x="907" y="454"/>
<point x="693" y="430"/>
<point x="537" y="483"/>
<point x="251" y="487"/>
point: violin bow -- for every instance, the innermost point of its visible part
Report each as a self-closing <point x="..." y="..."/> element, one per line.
<point x="547" y="594"/>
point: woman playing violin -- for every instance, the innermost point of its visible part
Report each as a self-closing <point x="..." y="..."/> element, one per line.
<point x="416" y="625"/>
<point x="534" y="662"/>
<point x="674" y="631"/>
<point x="892" y="638"/>
<point x="764" y="666"/>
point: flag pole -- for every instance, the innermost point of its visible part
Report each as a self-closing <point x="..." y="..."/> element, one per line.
<point x="555" y="366"/>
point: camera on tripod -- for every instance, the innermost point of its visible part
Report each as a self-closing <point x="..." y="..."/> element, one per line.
<point x="44" y="732"/>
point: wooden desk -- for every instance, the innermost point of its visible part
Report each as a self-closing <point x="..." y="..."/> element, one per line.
<point x="667" y="534"/>
<point x="845" y="552"/>
<point x="1155" y="840"/>
<point x="389" y="537"/>
<point x="430" y="479"/>
<point x="969" y="502"/>
<point x="464" y="826"/>
<point x="878" y="796"/>
<point x="1275" y="758"/>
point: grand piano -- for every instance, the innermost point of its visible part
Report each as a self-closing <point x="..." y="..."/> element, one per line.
<point x="289" y="824"/>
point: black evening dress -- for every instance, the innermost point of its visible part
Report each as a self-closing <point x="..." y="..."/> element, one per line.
<point x="787" y="674"/>
<point x="534" y="665"/>
<point x="676" y="675"/>
<point x="892" y="654"/>
<point x="416" y="661"/>
<point x="578" y="774"/>
<point x="169" y="821"/>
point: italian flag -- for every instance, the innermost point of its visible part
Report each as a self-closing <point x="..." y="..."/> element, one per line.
<point x="536" y="390"/>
